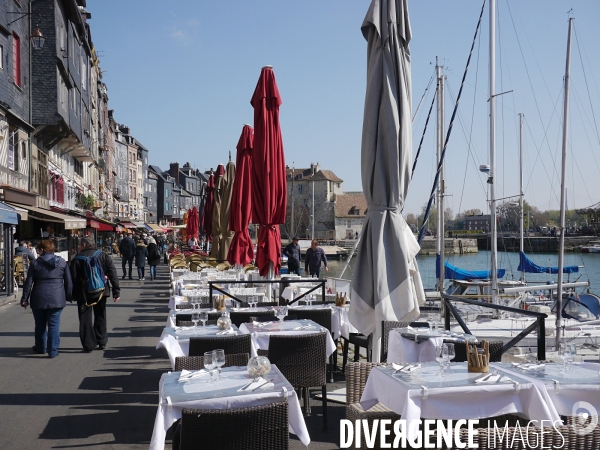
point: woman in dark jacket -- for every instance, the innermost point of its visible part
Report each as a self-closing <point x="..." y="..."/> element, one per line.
<point x="47" y="288"/>
<point x="153" y="257"/>
<point x="141" y="252"/>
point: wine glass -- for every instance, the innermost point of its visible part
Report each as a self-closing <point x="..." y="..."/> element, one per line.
<point x="195" y="319"/>
<point x="571" y="351"/>
<point x="451" y="353"/>
<point x="282" y="312"/>
<point x="441" y="356"/>
<point x="219" y="360"/>
<point x="209" y="363"/>
<point x="563" y="350"/>
<point x="203" y="319"/>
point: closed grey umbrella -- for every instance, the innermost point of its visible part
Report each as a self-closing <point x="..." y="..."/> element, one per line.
<point x="387" y="284"/>
<point x="226" y="233"/>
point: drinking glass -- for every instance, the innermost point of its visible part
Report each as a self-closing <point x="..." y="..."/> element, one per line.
<point x="203" y="319"/>
<point x="441" y="356"/>
<point x="209" y="363"/>
<point x="451" y="353"/>
<point x="282" y="312"/>
<point x="562" y="353"/>
<point x="195" y="319"/>
<point x="219" y="360"/>
<point x="570" y="355"/>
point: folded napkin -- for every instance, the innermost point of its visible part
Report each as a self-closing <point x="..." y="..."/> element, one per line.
<point x="305" y="327"/>
<point x="263" y="324"/>
<point x="261" y="383"/>
<point x="528" y="366"/>
<point x="491" y="378"/>
<point x="187" y="375"/>
<point x="406" y="368"/>
<point x="182" y="328"/>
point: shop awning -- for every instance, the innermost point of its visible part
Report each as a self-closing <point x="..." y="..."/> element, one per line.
<point x="105" y="227"/>
<point x="128" y="225"/>
<point x="93" y="224"/>
<point x="21" y="211"/>
<point x="154" y="227"/>
<point x="140" y="225"/>
<point x="8" y="214"/>
<point x="70" y="222"/>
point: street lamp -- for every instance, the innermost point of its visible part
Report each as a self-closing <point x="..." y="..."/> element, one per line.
<point x="37" y="38"/>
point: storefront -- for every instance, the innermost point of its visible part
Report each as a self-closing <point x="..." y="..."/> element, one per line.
<point x="9" y="219"/>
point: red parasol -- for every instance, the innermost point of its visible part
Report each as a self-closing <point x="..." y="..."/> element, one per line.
<point x="241" y="251"/>
<point x="192" y="222"/>
<point x="269" y="190"/>
<point x="208" y="207"/>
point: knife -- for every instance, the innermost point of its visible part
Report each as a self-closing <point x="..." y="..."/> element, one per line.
<point x="261" y="385"/>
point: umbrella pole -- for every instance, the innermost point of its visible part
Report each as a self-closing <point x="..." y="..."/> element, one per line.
<point x="270" y="276"/>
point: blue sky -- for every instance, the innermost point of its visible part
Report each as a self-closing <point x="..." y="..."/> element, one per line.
<point x="181" y="74"/>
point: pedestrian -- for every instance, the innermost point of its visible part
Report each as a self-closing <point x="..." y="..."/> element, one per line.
<point x="153" y="257"/>
<point x="22" y="249"/>
<point x="32" y="250"/>
<point x="47" y="288"/>
<point x="141" y="253"/>
<point x="92" y="307"/>
<point x="292" y="251"/>
<point x="313" y="258"/>
<point x="127" y="249"/>
<point x="192" y="243"/>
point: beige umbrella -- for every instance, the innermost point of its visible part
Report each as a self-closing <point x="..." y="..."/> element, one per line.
<point x="226" y="233"/>
<point x="216" y="212"/>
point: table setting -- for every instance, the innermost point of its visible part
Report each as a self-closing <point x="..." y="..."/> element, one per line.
<point x="257" y="384"/>
<point x="410" y="344"/>
<point x="262" y="331"/>
<point x="340" y="320"/>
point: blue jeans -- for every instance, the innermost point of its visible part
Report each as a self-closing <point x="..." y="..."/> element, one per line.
<point x="140" y="272"/>
<point x="47" y="330"/>
<point x="152" y="271"/>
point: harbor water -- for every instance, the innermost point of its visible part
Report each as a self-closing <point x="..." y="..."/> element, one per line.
<point x="589" y="267"/>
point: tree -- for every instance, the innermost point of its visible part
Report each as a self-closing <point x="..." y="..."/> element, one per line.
<point x="411" y="219"/>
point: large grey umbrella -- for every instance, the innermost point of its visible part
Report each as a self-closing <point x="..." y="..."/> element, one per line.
<point x="226" y="233"/>
<point x="387" y="284"/>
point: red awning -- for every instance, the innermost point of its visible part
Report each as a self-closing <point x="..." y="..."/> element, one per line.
<point x="105" y="227"/>
<point x="93" y="224"/>
<point x="128" y="225"/>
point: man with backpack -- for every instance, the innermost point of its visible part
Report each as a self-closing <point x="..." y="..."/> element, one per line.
<point x="93" y="273"/>
<point x="127" y="249"/>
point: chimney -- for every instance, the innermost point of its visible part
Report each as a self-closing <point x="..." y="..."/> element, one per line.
<point x="174" y="171"/>
<point x="312" y="168"/>
<point x="124" y="129"/>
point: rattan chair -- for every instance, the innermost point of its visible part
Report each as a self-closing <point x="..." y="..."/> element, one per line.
<point x="197" y="362"/>
<point x="212" y="316"/>
<point x="240" y="343"/>
<point x="253" y="428"/>
<point x="260" y="304"/>
<point x="189" y="323"/>
<point x="356" y="378"/>
<point x="184" y="306"/>
<point x="321" y="316"/>
<point x="240" y="317"/>
<point x="386" y="327"/>
<point x="460" y="351"/>
<point x="419" y="324"/>
<point x="358" y="340"/>
<point x="302" y="359"/>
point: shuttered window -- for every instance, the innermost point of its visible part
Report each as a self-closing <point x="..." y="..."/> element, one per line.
<point x="17" y="59"/>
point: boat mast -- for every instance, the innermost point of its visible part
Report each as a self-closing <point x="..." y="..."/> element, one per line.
<point x="492" y="101"/>
<point x="440" y="191"/>
<point x="521" y="210"/>
<point x="563" y="186"/>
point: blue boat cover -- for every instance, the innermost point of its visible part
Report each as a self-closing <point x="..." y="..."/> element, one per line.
<point x="454" y="273"/>
<point x="527" y="265"/>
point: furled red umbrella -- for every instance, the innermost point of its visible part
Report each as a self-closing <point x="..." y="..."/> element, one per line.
<point x="269" y="189"/>
<point x="241" y="251"/>
<point x="192" y="225"/>
<point x="216" y="212"/>
<point x="208" y="207"/>
<point x="184" y="231"/>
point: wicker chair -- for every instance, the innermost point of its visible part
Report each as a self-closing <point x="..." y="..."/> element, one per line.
<point x="321" y="316"/>
<point x="260" y="304"/>
<point x="460" y="351"/>
<point x="419" y="324"/>
<point x="302" y="359"/>
<point x="189" y="323"/>
<point x="253" y="428"/>
<point x="356" y="378"/>
<point x="197" y="362"/>
<point x="240" y="343"/>
<point x="188" y="317"/>
<point x="359" y="340"/>
<point x="386" y="327"/>
<point x="184" y="306"/>
<point x="240" y="317"/>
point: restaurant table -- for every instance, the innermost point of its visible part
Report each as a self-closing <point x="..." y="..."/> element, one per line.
<point x="262" y="331"/>
<point x="567" y="391"/>
<point x="423" y="393"/>
<point x="199" y="393"/>
<point x="297" y="289"/>
<point x="172" y="317"/>
<point x="179" y="299"/>
<point x="418" y="344"/>
<point x="340" y="320"/>
<point x="176" y="340"/>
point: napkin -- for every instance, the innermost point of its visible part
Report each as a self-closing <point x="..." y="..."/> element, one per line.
<point x="255" y="384"/>
<point x="187" y="375"/>
<point x="183" y="328"/>
<point x="530" y="366"/>
<point x="488" y="379"/>
<point x="263" y="324"/>
<point x="305" y="327"/>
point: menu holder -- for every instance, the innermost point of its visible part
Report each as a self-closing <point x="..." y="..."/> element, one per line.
<point x="340" y="299"/>
<point x="478" y="359"/>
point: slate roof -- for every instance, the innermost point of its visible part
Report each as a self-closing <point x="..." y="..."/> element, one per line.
<point x="347" y="204"/>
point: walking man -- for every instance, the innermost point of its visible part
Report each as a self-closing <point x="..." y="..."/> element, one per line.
<point x="314" y="256"/>
<point x="127" y="249"/>
<point x="292" y="251"/>
<point x="92" y="307"/>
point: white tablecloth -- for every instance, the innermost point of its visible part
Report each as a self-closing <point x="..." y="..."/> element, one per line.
<point x="260" y="336"/>
<point x="340" y="321"/>
<point x="458" y="397"/>
<point x="171" y="318"/>
<point x="177" y="342"/>
<point x="405" y="350"/>
<point x="199" y="394"/>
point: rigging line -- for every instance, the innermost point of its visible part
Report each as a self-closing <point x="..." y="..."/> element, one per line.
<point x="443" y="154"/>
<point x="470" y="140"/>
<point x="529" y="78"/>
<point x="423" y="97"/>
<point x="580" y="108"/>
<point x="586" y="85"/>
<point x="422" y="137"/>
<point x="580" y="174"/>
<point x="462" y="126"/>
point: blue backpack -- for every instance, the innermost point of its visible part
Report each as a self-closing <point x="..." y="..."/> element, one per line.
<point x="94" y="281"/>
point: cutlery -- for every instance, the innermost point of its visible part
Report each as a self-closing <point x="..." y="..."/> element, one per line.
<point x="247" y="386"/>
<point x="262" y="384"/>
